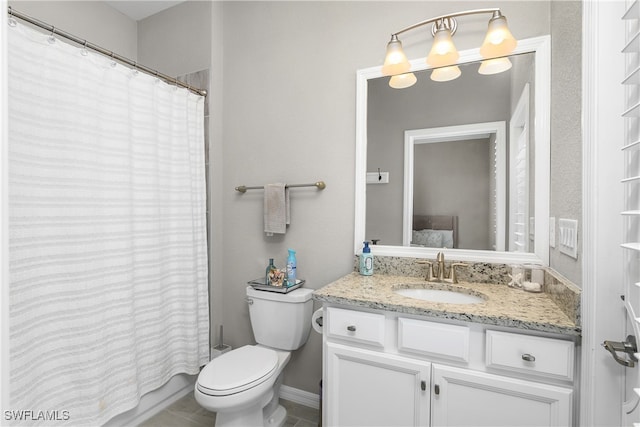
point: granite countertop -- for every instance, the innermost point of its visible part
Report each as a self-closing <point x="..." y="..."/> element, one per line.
<point x="503" y="306"/>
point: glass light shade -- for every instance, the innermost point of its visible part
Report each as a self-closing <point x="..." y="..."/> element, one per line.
<point x="402" y="81"/>
<point x="494" y="66"/>
<point x="499" y="41"/>
<point x="445" y="74"/>
<point x="443" y="52"/>
<point x="395" y="62"/>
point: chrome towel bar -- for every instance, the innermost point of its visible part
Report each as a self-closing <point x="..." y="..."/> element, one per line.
<point x="320" y="185"/>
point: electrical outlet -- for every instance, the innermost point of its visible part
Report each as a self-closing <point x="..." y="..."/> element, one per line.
<point x="552" y="231"/>
<point x="568" y="237"/>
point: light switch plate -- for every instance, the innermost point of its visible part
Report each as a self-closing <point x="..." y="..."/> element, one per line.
<point x="377" y="177"/>
<point x="552" y="231"/>
<point x="568" y="243"/>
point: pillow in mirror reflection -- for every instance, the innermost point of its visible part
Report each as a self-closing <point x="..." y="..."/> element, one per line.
<point x="433" y="238"/>
<point x="428" y="238"/>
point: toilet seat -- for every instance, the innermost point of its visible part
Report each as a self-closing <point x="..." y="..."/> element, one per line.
<point x="237" y="370"/>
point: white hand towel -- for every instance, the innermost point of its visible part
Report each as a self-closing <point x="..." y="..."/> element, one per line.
<point x="276" y="209"/>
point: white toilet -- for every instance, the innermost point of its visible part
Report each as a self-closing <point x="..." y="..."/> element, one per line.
<point x="243" y="385"/>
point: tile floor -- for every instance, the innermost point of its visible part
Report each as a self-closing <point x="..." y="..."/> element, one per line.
<point x="186" y="412"/>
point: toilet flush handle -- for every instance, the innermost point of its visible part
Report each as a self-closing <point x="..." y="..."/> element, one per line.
<point x="249" y="301"/>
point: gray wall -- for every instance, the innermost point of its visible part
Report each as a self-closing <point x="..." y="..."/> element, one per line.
<point x="178" y="40"/>
<point x="289" y="91"/>
<point x="94" y="21"/>
<point x="289" y="101"/>
<point x="566" y="128"/>
<point x="285" y="113"/>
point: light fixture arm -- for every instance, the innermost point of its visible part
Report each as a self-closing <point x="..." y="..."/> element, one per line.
<point x="447" y="16"/>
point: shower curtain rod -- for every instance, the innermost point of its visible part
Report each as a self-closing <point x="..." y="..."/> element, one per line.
<point x="104" y="51"/>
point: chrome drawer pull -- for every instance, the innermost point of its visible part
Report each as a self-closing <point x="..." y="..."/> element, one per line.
<point x="528" y="357"/>
<point x="351" y="328"/>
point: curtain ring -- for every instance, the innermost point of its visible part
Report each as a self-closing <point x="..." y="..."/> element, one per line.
<point x="52" y="39"/>
<point x="11" y="21"/>
<point x="84" y="51"/>
<point x="135" y="68"/>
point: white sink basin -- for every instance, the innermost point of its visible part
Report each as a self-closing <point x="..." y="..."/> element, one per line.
<point x="439" y="295"/>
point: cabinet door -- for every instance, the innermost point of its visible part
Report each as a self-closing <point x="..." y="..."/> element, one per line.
<point x="369" y="388"/>
<point x="468" y="398"/>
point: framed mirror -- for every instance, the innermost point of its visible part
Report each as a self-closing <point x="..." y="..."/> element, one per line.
<point x="418" y="154"/>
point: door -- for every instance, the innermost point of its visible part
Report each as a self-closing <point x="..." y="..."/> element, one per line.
<point x="610" y="241"/>
<point x="369" y="388"/>
<point x="462" y="397"/>
<point x="624" y="353"/>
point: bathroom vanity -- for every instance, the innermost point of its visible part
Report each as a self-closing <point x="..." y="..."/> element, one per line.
<point x="390" y="359"/>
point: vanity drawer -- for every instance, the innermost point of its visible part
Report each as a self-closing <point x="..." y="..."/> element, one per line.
<point x="358" y="326"/>
<point x="434" y="339"/>
<point x="546" y="357"/>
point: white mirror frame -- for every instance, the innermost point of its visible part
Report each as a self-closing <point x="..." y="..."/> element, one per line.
<point x="541" y="47"/>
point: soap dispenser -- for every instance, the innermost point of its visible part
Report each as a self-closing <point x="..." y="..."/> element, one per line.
<point x="366" y="260"/>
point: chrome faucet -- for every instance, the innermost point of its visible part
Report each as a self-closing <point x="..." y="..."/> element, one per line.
<point x="439" y="273"/>
<point x="440" y="261"/>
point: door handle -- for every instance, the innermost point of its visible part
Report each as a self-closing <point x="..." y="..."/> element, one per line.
<point x="629" y="347"/>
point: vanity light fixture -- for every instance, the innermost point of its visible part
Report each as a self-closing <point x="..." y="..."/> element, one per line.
<point x="443" y="51"/>
<point x="445" y="74"/>
<point x="395" y="62"/>
<point x="494" y="66"/>
<point x="443" y="56"/>
<point x="400" y="81"/>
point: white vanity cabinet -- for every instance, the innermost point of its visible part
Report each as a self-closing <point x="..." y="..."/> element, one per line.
<point x="462" y="397"/>
<point x="372" y="388"/>
<point x="384" y="368"/>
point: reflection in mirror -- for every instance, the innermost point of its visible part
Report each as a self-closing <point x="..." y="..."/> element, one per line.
<point x="450" y="185"/>
<point x="471" y="196"/>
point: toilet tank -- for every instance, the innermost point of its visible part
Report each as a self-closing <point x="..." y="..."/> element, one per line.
<point x="280" y="321"/>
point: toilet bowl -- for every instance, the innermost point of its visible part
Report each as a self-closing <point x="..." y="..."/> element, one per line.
<point x="243" y="385"/>
<point x="240" y="383"/>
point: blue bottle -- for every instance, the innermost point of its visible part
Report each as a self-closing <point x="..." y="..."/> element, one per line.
<point x="366" y="260"/>
<point x="291" y="268"/>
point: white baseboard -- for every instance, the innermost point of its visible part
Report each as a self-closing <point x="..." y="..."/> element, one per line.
<point x="300" y="397"/>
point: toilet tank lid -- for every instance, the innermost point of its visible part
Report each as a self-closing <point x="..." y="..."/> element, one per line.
<point x="295" y="296"/>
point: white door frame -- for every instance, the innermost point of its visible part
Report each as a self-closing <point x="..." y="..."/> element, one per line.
<point x="466" y="132"/>
<point x="602" y="380"/>
<point x="519" y="128"/>
<point x="4" y="216"/>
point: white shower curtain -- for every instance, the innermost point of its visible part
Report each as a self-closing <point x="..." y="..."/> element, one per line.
<point x="108" y="257"/>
